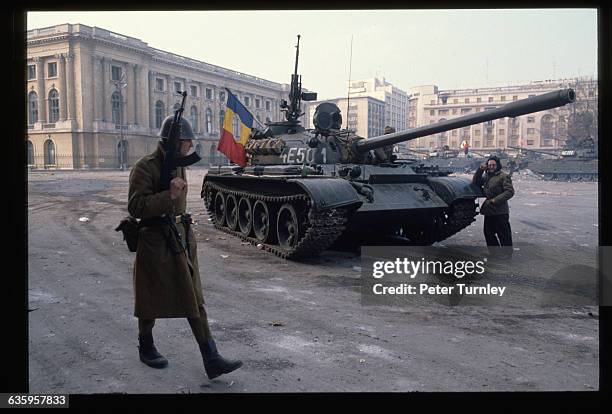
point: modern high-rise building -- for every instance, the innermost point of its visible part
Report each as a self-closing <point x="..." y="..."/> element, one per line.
<point x="364" y="115"/>
<point x="395" y="99"/>
<point x="541" y="130"/>
<point x="96" y="99"/>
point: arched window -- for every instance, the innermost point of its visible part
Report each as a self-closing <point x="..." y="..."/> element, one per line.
<point x="236" y="127"/>
<point x="116" y="108"/>
<point x="53" y="106"/>
<point x="194" y="118"/>
<point x="198" y="149"/>
<point x="30" y="153"/>
<point x="208" y="121"/>
<point x="32" y="107"/>
<point x="49" y="149"/>
<point x="213" y="154"/>
<point x="159" y="113"/>
<point x="221" y="118"/>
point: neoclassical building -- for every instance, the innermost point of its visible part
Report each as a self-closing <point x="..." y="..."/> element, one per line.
<point x="96" y="99"/>
<point x="540" y="130"/>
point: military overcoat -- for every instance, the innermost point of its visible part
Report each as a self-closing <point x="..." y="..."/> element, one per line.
<point x="166" y="284"/>
<point x="497" y="188"/>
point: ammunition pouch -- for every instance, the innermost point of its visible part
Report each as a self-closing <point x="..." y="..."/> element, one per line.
<point x="129" y="227"/>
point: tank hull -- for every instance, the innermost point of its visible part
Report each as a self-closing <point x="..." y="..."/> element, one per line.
<point x="566" y="170"/>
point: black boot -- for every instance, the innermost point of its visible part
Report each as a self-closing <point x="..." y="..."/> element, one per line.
<point x="148" y="353"/>
<point x="215" y="364"/>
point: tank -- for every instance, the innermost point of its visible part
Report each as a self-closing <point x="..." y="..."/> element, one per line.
<point x="575" y="162"/>
<point x="304" y="190"/>
<point x="452" y="160"/>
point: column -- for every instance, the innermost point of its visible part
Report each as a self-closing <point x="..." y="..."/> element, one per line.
<point x="129" y="95"/>
<point x="95" y="109"/>
<point x="142" y="109"/>
<point x="71" y="113"/>
<point x="62" y="89"/>
<point x="97" y="74"/>
<point x="169" y="93"/>
<point x="106" y="90"/>
<point x="152" y="100"/>
<point x="42" y="93"/>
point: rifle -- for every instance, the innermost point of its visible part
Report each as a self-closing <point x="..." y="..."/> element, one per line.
<point x="172" y="161"/>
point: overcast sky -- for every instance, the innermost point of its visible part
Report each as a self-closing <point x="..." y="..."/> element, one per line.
<point x="450" y="48"/>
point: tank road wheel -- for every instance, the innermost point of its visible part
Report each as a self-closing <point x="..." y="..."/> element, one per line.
<point x="263" y="222"/>
<point x="231" y="211"/>
<point x="576" y="177"/>
<point x="549" y="177"/>
<point x="245" y="216"/>
<point x="288" y="227"/>
<point x="219" y="210"/>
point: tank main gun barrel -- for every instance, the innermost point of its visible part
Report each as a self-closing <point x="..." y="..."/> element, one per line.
<point x="532" y="150"/>
<point x="538" y="103"/>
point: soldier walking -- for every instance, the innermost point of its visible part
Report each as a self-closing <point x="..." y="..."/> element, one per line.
<point x="166" y="273"/>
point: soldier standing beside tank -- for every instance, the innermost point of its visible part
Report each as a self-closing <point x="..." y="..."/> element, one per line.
<point x="497" y="188"/>
<point x="166" y="273"/>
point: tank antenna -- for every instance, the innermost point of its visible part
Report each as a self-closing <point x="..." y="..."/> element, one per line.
<point x="348" y="95"/>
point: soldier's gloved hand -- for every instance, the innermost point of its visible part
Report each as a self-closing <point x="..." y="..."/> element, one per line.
<point x="176" y="187"/>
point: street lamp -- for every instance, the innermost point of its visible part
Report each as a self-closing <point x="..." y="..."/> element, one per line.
<point x="119" y="85"/>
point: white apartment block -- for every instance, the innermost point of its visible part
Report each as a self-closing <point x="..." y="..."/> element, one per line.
<point x="364" y="115"/>
<point x="540" y="130"/>
<point x="87" y="87"/>
<point x="395" y="99"/>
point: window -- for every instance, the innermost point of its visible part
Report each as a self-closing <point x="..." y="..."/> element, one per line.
<point x="222" y="96"/>
<point x="432" y="102"/>
<point x="209" y="94"/>
<point x="31" y="72"/>
<point x="208" y="121"/>
<point x="247" y="101"/>
<point x="454" y="133"/>
<point x="53" y="106"/>
<point x="490" y="99"/>
<point x="52" y="70"/>
<point x="561" y="118"/>
<point x="515" y="97"/>
<point x="116" y="108"/>
<point x="194" y="91"/>
<point x="503" y="98"/>
<point x="502" y="132"/>
<point x="477" y="133"/>
<point x="267" y="105"/>
<point x="30" y="153"/>
<point x="178" y="86"/>
<point x="49" y="149"/>
<point x="32" y="107"/>
<point x="221" y="117"/>
<point x="478" y="99"/>
<point x="198" y="149"/>
<point x="432" y="112"/>
<point x="529" y="142"/>
<point x="257" y="103"/>
<point x="194" y="118"/>
<point x="466" y="110"/>
<point x="477" y="143"/>
<point x="159" y="84"/>
<point x="116" y="73"/>
<point x="477" y="109"/>
<point x="455" y="100"/>
<point x="530" y="131"/>
<point x="467" y="100"/>
<point x="531" y="119"/>
<point x="159" y="113"/>
<point x="455" y="111"/>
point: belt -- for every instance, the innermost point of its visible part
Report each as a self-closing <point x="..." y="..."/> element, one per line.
<point x="162" y="220"/>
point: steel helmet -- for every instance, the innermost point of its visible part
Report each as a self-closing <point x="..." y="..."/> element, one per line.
<point x="185" y="131"/>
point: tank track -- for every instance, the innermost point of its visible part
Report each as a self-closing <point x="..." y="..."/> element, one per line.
<point x="462" y="214"/>
<point x="323" y="228"/>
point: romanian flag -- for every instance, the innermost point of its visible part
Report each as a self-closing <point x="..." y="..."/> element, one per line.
<point x="234" y="150"/>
